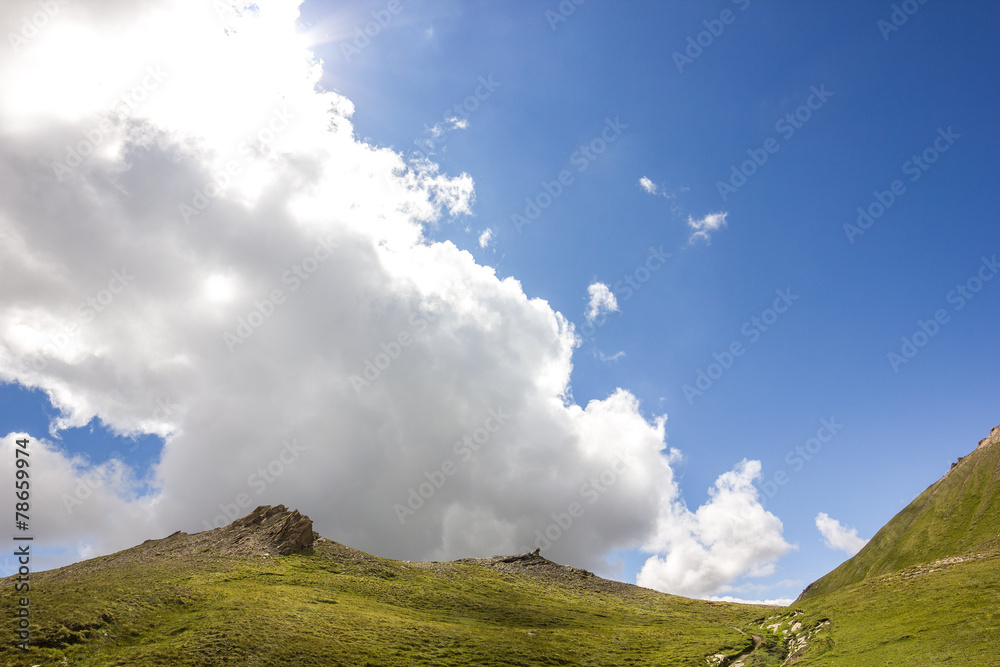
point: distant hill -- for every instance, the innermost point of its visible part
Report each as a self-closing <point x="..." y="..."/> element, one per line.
<point x="957" y="515"/>
<point x="268" y="590"/>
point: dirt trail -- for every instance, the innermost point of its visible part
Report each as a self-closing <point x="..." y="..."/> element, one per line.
<point x="737" y="660"/>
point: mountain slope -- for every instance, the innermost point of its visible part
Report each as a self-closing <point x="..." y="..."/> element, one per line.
<point x="958" y="514"/>
<point x="940" y="613"/>
<point x="267" y="590"/>
<point x="228" y="596"/>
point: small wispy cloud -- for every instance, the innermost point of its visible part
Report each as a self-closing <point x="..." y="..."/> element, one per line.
<point x="434" y="137"/>
<point x="651" y="188"/>
<point x="486" y="238"/>
<point x="610" y="357"/>
<point x="837" y="536"/>
<point x="445" y="126"/>
<point x="602" y="300"/>
<point x="704" y="227"/>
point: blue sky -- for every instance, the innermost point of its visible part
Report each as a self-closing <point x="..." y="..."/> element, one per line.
<point x="868" y="100"/>
<point x="828" y="356"/>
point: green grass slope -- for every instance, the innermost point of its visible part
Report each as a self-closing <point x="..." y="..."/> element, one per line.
<point x="159" y="604"/>
<point x="924" y="591"/>
<point x="940" y="613"/>
<point x="958" y="514"/>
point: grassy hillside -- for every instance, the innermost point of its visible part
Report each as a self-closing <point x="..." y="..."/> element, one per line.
<point x="267" y="590"/>
<point x="941" y="613"/>
<point x="958" y="514"/>
<point x="158" y="604"/>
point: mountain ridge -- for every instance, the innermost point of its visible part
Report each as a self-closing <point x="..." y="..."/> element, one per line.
<point x="954" y="516"/>
<point x="268" y="590"/>
<point x="228" y="596"/>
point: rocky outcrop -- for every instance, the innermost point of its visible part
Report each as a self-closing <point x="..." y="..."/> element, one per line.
<point x="266" y="532"/>
<point x="268" y="529"/>
<point x="992" y="439"/>
<point x="535" y="565"/>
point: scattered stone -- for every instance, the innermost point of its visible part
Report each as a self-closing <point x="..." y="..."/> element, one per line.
<point x="534" y="564"/>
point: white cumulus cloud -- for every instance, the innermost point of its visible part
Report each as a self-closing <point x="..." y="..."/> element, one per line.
<point x="486" y="238"/>
<point x="837" y="536"/>
<point x="648" y="185"/>
<point x="199" y="226"/>
<point x="728" y="537"/>
<point x="780" y="602"/>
